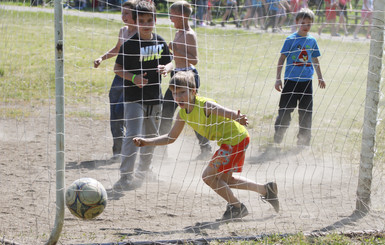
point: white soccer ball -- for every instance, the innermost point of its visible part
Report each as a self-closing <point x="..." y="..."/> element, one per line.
<point x="86" y="198"/>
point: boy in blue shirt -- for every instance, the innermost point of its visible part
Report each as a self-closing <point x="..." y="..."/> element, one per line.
<point x="301" y="53"/>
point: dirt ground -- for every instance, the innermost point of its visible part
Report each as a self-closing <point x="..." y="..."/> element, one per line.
<point x="317" y="190"/>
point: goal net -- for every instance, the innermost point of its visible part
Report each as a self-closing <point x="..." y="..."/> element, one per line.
<point x="317" y="184"/>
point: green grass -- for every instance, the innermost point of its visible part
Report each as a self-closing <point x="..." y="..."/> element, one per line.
<point x="86" y="114"/>
<point x="233" y="64"/>
<point x="14" y="113"/>
<point x="300" y="238"/>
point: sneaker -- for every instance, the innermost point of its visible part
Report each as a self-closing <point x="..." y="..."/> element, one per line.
<point x="115" y="159"/>
<point x="272" y="195"/>
<point x="124" y="183"/>
<point x="303" y="141"/>
<point x="233" y="212"/>
<point x="223" y="24"/>
<point x="145" y="175"/>
<point x="278" y="137"/>
<point x="136" y="183"/>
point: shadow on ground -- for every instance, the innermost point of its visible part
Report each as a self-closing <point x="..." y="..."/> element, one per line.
<point x="270" y="153"/>
<point x="199" y="229"/>
<point x="354" y="217"/>
<point x="91" y="164"/>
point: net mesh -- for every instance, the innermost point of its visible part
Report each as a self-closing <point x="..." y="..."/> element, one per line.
<point x="237" y="66"/>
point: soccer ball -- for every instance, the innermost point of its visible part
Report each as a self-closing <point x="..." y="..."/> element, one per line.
<point x="86" y="198"/>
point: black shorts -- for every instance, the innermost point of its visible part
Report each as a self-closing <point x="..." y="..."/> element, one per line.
<point x="231" y="6"/>
<point x="343" y="10"/>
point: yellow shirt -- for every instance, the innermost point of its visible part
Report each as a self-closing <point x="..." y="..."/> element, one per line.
<point x="215" y="127"/>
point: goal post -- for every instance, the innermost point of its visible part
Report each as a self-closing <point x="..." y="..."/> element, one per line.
<point x="373" y="91"/>
<point x="60" y="133"/>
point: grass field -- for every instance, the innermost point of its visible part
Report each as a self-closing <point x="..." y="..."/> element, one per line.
<point x="242" y="66"/>
<point x="237" y="68"/>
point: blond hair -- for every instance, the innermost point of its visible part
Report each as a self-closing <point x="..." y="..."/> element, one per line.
<point x="182" y="7"/>
<point x="183" y="79"/>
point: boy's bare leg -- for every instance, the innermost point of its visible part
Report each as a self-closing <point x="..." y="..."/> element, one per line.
<point x="222" y="183"/>
<point x="214" y="179"/>
<point x="224" y="17"/>
<point x="242" y="183"/>
<point x="358" y="27"/>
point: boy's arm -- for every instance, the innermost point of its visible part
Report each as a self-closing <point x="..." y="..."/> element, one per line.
<point x="317" y="67"/>
<point x="138" y="80"/>
<point x="278" y="81"/>
<point x="111" y="53"/>
<point x="163" y="139"/>
<point x="216" y="109"/>
<point x="165" y="69"/>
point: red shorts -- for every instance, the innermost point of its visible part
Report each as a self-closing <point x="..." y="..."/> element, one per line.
<point x="331" y="14"/>
<point x="230" y="158"/>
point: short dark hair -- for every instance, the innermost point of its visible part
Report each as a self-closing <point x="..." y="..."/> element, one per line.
<point x="305" y="13"/>
<point x="183" y="79"/>
<point x="144" y="7"/>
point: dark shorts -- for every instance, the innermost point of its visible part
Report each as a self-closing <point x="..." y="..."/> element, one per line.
<point x="343" y="10"/>
<point x="231" y="6"/>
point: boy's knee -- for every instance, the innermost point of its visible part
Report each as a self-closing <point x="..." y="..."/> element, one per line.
<point x="205" y="180"/>
<point x="208" y="178"/>
<point x="205" y="177"/>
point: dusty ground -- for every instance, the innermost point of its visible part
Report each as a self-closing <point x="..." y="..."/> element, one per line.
<point x="316" y="189"/>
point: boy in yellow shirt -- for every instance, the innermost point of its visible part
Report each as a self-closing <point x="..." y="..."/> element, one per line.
<point x="225" y="126"/>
